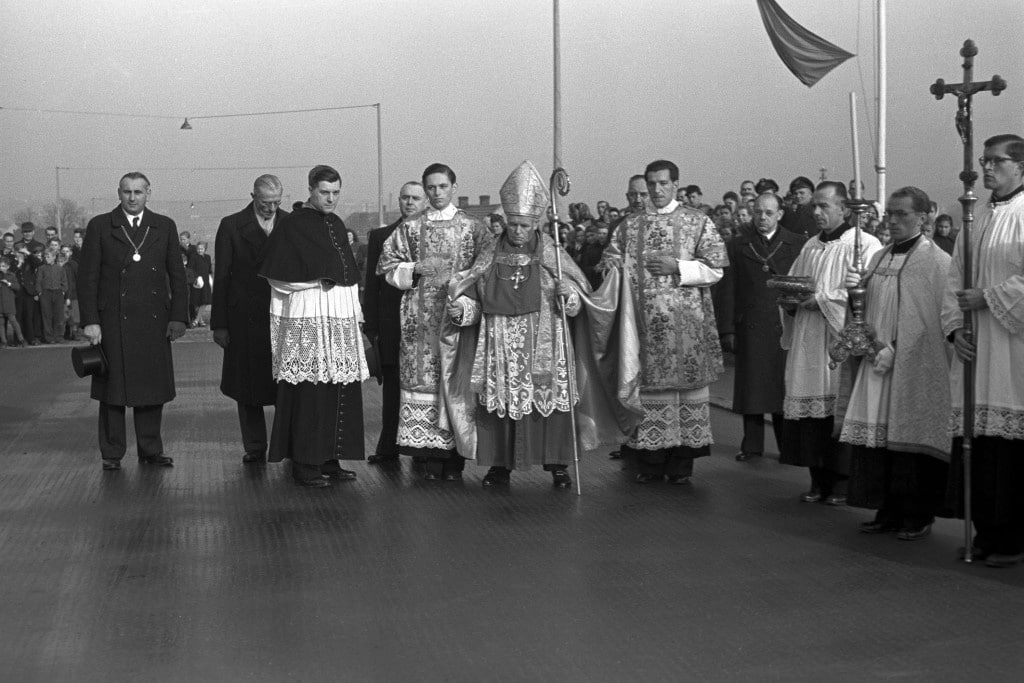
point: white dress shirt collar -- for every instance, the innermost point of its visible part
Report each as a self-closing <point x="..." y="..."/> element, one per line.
<point x="669" y="208"/>
<point x="445" y="214"/>
<point x="131" y="218"/>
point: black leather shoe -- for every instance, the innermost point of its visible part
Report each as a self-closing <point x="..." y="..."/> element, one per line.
<point x="1001" y="561"/>
<point x="679" y="479"/>
<point x="877" y="528"/>
<point x="915" y="533"/>
<point x="647" y="478"/>
<point x="812" y="496"/>
<point x="453" y="476"/>
<point x="496" y="476"/>
<point x="431" y="476"/>
<point x="561" y="479"/>
<point x="254" y="458"/>
<point x="341" y="474"/>
<point x="318" y="483"/>
<point x="111" y="464"/>
<point x="836" y="500"/>
<point x="381" y="459"/>
<point x="615" y="455"/>
<point x="743" y="457"/>
<point x="161" y="460"/>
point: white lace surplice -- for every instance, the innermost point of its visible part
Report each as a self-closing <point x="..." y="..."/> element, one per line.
<point x="867" y="417"/>
<point x="998" y="241"/>
<point x="314" y="334"/>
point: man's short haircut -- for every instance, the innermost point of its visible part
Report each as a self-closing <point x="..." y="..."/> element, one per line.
<point x="269" y="182"/>
<point x="133" y="175"/>
<point x="836" y="186"/>
<point x="78" y="231"/>
<point x="768" y="195"/>
<point x="766" y="185"/>
<point x="731" y="195"/>
<point x="411" y="182"/>
<point x="919" y="200"/>
<point x="297" y="205"/>
<point x="1014" y="145"/>
<point x="184" y="233"/>
<point x="663" y="165"/>
<point x="801" y="181"/>
<point x="8" y="234"/>
<point x="944" y="217"/>
<point x="693" y="189"/>
<point x="28" y="226"/>
<point x="438" y="168"/>
<point x="638" y="176"/>
<point x="323" y="174"/>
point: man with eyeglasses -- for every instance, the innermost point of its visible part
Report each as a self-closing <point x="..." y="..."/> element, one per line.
<point x="898" y="406"/>
<point x="996" y="301"/>
<point x="240" y="312"/>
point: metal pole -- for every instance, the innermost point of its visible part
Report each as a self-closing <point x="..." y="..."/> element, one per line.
<point x="882" y="96"/>
<point x="560" y="187"/>
<point x="380" y="173"/>
<point x="557" y="64"/>
<point x="60" y="234"/>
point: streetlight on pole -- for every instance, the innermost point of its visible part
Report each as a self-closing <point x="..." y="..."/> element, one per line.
<point x="187" y="125"/>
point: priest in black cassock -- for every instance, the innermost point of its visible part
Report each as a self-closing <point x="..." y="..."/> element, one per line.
<point x="317" y="348"/>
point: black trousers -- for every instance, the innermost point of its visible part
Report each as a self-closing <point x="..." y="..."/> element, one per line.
<point x="253" y="423"/>
<point x="29" y="315"/>
<point x="907" y="489"/>
<point x="670" y="462"/>
<point x="113" y="435"/>
<point x="997" y="479"/>
<point x="387" y="444"/>
<point x="753" y="433"/>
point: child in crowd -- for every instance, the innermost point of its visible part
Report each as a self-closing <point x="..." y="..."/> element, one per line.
<point x="70" y="266"/>
<point x="8" y="306"/>
<point x="28" y="296"/>
<point x="52" y="285"/>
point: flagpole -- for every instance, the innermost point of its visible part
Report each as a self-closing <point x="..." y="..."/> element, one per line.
<point x="882" y="96"/>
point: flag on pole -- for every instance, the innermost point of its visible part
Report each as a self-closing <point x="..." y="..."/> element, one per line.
<point x="809" y="56"/>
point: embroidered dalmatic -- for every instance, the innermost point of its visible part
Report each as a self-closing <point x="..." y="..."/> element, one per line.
<point x="904" y="408"/>
<point x="680" y="354"/>
<point x="998" y="250"/>
<point x="811" y="386"/>
<point x="449" y="240"/>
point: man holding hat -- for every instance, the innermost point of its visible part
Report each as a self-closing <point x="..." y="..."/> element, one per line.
<point x="133" y="303"/>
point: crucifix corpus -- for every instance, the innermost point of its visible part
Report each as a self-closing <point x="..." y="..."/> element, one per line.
<point x="964" y="93"/>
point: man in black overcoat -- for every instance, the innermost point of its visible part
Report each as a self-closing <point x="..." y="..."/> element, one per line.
<point x="750" y="324"/>
<point x="133" y="303"/>
<point x="382" y="324"/>
<point x="240" y="314"/>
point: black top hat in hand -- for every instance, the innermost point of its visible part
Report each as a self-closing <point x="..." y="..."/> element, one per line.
<point x="88" y="360"/>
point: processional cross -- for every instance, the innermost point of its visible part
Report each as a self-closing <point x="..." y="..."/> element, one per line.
<point x="964" y="127"/>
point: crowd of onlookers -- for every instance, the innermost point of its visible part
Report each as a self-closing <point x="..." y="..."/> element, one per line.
<point x="38" y="285"/>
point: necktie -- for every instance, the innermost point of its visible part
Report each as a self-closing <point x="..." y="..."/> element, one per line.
<point x="135" y="228"/>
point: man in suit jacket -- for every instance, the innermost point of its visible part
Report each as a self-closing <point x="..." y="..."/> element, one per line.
<point x="133" y="303"/>
<point x="750" y="323"/>
<point x="240" y="315"/>
<point x="381" y="302"/>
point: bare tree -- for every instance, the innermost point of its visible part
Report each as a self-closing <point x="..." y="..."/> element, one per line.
<point x="72" y="215"/>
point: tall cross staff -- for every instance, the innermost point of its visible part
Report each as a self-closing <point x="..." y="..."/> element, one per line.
<point x="964" y="93"/>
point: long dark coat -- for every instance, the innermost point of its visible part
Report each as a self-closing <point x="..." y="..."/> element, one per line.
<point x="241" y="305"/>
<point x="751" y="312"/>
<point x="381" y="301"/>
<point x="132" y="303"/>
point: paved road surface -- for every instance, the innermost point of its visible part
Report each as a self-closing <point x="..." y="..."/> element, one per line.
<point x="214" y="572"/>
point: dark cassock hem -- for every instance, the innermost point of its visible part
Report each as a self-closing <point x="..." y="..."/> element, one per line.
<point x="910" y="488"/>
<point x="675" y="461"/>
<point x="518" y="444"/>
<point x="808" y="442"/>
<point x="314" y="423"/>
<point x="997" y="491"/>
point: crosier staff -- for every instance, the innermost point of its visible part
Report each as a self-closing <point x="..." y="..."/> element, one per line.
<point x="964" y="125"/>
<point x="560" y="187"/>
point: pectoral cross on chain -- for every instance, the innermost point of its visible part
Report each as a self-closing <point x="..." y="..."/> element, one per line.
<point x="517" y="277"/>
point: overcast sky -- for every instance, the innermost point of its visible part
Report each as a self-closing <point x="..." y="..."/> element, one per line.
<point x="469" y="83"/>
